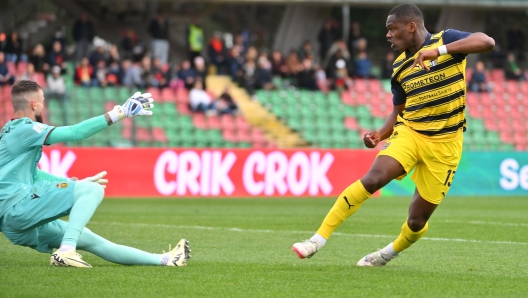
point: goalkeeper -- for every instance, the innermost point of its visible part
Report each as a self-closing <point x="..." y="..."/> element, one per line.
<point x="32" y="201"/>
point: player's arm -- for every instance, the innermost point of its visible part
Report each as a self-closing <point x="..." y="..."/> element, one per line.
<point x="372" y="138"/>
<point x="41" y="175"/>
<point x="457" y="42"/>
<point x="138" y="104"/>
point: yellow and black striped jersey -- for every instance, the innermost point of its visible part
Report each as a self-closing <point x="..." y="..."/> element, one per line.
<point x="434" y="100"/>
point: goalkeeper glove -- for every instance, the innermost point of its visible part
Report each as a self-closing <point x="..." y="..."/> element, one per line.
<point x="138" y="104"/>
<point x="96" y="178"/>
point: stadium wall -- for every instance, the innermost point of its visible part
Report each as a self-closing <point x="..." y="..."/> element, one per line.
<point x="162" y="172"/>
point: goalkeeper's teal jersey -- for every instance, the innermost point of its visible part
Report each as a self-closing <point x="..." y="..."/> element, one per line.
<point x="21" y="143"/>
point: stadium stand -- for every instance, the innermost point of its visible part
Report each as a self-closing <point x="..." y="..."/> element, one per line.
<point x="496" y="120"/>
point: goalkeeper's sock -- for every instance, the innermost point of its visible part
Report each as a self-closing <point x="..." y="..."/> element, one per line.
<point x="119" y="254"/>
<point x="86" y="198"/>
<point x="347" y="204"/>
<point x="407" y="237"/>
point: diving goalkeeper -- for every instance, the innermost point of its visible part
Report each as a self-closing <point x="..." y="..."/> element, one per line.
<point x="32" y="201"/>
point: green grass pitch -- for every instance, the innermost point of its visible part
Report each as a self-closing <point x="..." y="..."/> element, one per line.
<point x="475" y="247"/>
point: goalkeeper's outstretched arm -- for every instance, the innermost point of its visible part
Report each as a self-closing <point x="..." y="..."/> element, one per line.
<point x="138" y="104"/>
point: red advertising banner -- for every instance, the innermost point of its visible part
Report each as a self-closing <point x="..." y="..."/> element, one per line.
<point x="166" y="172"/>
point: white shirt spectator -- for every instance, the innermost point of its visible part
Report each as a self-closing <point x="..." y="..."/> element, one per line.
<point x="56" y="84"/>
<point x="197" y="97"/>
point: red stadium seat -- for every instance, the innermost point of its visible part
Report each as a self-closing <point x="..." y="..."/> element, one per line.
<point x="229" y="136"/>
<point x="257" y="135"/>
<point x="351" y="123"/>
<point x="155" y="93"/>
<point x="143" y="135"/>
<point x="360" y="85"/>
<point x="167" y="95"/>
<point x="199" y="121"/>
<point x="182" y="95"/>
<point x="469" y="73"/>
<point x="213" y="122"/>
<point x="159" y="135"/>
<point x="497" y="75"/>
<point x="21" y="67"/>
<point x="241" y="123"/>
<point x="227" y="122"/>
<point x="375" y="86"/>
<point x="346" y="97"/>
<point x="183" y="108"/>
<point x="512" y="87"/>
<point x="243" y="136"/>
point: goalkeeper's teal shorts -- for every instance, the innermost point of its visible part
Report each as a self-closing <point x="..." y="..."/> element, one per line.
<point x="33" y="222"/>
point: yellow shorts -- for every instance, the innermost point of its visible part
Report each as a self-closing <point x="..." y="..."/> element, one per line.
<point x="434" y="163"/>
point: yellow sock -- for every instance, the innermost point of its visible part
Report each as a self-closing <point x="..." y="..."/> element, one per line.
<point x="347" y="204"/>
<point x="408" y="237"/>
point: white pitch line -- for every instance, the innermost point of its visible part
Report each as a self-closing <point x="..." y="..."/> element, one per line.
<point x="301" y="232"/>
<point x="492" y="223"/>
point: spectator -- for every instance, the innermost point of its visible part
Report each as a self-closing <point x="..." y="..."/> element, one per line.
<point x="200" y="70"/>
<point x="159" y="31"/>
<point x="113" y="55"/>
<point x="306" y="52"/>
<point x="331" y="69"/>
<point x="363" y="66"/>
<point x="13" y="49"/>
<point x="101" y="73"/>
<point x="30" y="74"/>
<point x="516" y="40"/>
<point x="130" y="74"/>
<point x="38" y="59"/>
<point x="249" y="76"/>
<point x="56" y="89"/>
<point x="236" y="63"/>
<point x="263" y="76"/>
<point x="321" y="79"/>
<point x="216" y="53"/>
<point x="293" y="64"/>
<point x="161" y="75"/>
<point x="84" y="74"/>
<point x="6" y="78"/>
<point x="97" y="55"/>
<point x="83" y="34"/>
<point x="512" y="70"/>
<point x="241" y="44"/>
<point x="114" y="74"/>
<point x="339" y="45"/>
<point x="195" y="39"/>
<point x="128" y="42"/>
<point x="226" y="104"/>
<point x="278" y="64"/>
<point x="57" y="57"/>
<point x="251" y="53"/>
<point x="147" y="75"/>
<point x="3" y="41"/>
<point x="478" y="78"/>
<point x="498" y="57"/>
<point x="386" y="72"/>
<point x="187" y="74"/>
<point x="306" y="77"/>
<point x="354" y="36"/>
<point x="327" y="36"/>
<point x="199" y="100"/>
<point x="59" y="36"/>
<point x="342" y="78"/>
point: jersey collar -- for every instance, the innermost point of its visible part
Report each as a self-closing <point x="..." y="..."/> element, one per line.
<point x="426" y="42"/>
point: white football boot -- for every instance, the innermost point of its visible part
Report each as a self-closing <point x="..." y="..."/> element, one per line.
<point x="305" y="249"/>
<point x="68" y="258"/>
<point x="375" y="259"/>
<point x="179" y="254"/>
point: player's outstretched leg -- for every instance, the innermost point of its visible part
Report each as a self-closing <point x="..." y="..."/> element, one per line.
<point x="125" y="255"/>
<point x="412" y="230"/>
<point x="86" y="198"/>
<point x="347" y="204"/>
<point x="383" y="170"/>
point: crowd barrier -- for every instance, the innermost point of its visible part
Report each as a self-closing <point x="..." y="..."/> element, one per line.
<point x="164" y="172"/>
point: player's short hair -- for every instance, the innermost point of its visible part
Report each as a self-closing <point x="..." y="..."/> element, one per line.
<point x="19" y="90"/>
<point x="407" y="11"/>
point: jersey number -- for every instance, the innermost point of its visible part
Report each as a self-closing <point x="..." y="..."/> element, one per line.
<point x="448" y="181"/>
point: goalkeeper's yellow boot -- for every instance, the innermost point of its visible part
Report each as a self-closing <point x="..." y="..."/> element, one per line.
<point x="179" y="255"/>
<point x="68" y="258"/>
